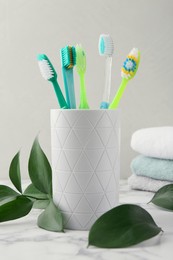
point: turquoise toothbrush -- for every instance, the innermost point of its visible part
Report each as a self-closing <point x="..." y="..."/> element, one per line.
<point x="68" y="60"/>
<point x="128" y="71"/>
<point x="81" y="69"/>
<point x="48" y="72"/>
<point x="106" y="48"/>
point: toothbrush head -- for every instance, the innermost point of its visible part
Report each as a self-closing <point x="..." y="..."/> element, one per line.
<point x="68" y="57"/>
<point x="131" y="64"/>
<point x="80" y="59"/>
<point x="106" y="45"/>
<point x="46" y="68"/>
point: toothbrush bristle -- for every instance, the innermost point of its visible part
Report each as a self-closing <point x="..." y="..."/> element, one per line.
<point x="68" y="55"/>
<point x="74" y="55"/>
<point x="71" y="58"/>
<point x="46" y="68"/>
<point x="80" y="59"/>
<point x="106" y="45"/>
<point x="134" y="52"/>
<point x="130" y="65"/>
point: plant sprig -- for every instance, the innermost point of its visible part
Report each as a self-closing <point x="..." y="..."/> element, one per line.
<point x="38" y="194"/>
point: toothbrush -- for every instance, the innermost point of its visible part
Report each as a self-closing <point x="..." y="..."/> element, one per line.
<point x="128" y="71"/>
<point x="48" y="72"/>
<point x="68" y="60"/>
<point x="81" y="69"/>
<point x="106" y="48"/>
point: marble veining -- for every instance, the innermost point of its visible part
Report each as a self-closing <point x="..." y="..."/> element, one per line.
<point x="22" y="239"/>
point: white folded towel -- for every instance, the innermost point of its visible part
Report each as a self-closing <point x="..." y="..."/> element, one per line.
<point x="145" y="183"/>
<point x="154" y="142"/>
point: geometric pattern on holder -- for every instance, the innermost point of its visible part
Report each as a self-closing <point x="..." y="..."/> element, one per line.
<point x="85" y="164"/>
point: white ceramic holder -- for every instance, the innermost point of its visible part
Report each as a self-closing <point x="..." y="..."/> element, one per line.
<point x="85" y="148"/>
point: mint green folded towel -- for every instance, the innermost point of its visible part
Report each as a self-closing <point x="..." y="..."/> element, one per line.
<point x="159" y="169"/>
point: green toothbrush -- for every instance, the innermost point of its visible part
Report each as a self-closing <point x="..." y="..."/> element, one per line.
<point x="81" y="69"/>
<point x="48" y="72"/>
<point x="128" y="71"/>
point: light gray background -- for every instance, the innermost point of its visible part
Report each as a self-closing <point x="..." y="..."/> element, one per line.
<point x="29" y="27"/>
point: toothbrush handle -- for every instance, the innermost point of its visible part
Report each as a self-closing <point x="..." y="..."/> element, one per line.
<point x="83" y="98"/>
<point x="107" y="90"/>
<point x="119" y="94"/>
<point x="106" y="95"/>
<point x="69" y="87"/>
<point x="59" y="95"/>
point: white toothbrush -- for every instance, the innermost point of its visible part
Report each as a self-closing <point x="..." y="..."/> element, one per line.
<point x="106" y="48"/>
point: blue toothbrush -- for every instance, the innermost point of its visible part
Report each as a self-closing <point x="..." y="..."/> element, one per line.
<point x="68" y="60"/>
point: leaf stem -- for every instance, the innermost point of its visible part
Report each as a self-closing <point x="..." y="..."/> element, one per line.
<point x="32" y="197"/>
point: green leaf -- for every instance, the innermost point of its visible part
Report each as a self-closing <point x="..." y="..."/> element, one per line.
<point x="123" y="226"/>
<point x="40" y="199"/>
<point x="51" y="218"/>
<point x="6" y="194"/>
<point x="164" y="197"/>
<point x="14" y="172"/>
<point x="41" y="204"/>
<point x="17" y="208"/>
<point x="32" y="191"/>
<point x="39" y="169"/>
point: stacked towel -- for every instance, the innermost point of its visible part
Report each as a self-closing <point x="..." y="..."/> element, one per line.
<point x="152" y="169"/>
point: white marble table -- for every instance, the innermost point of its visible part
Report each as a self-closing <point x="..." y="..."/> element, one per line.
<point x="23" y="240"/>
